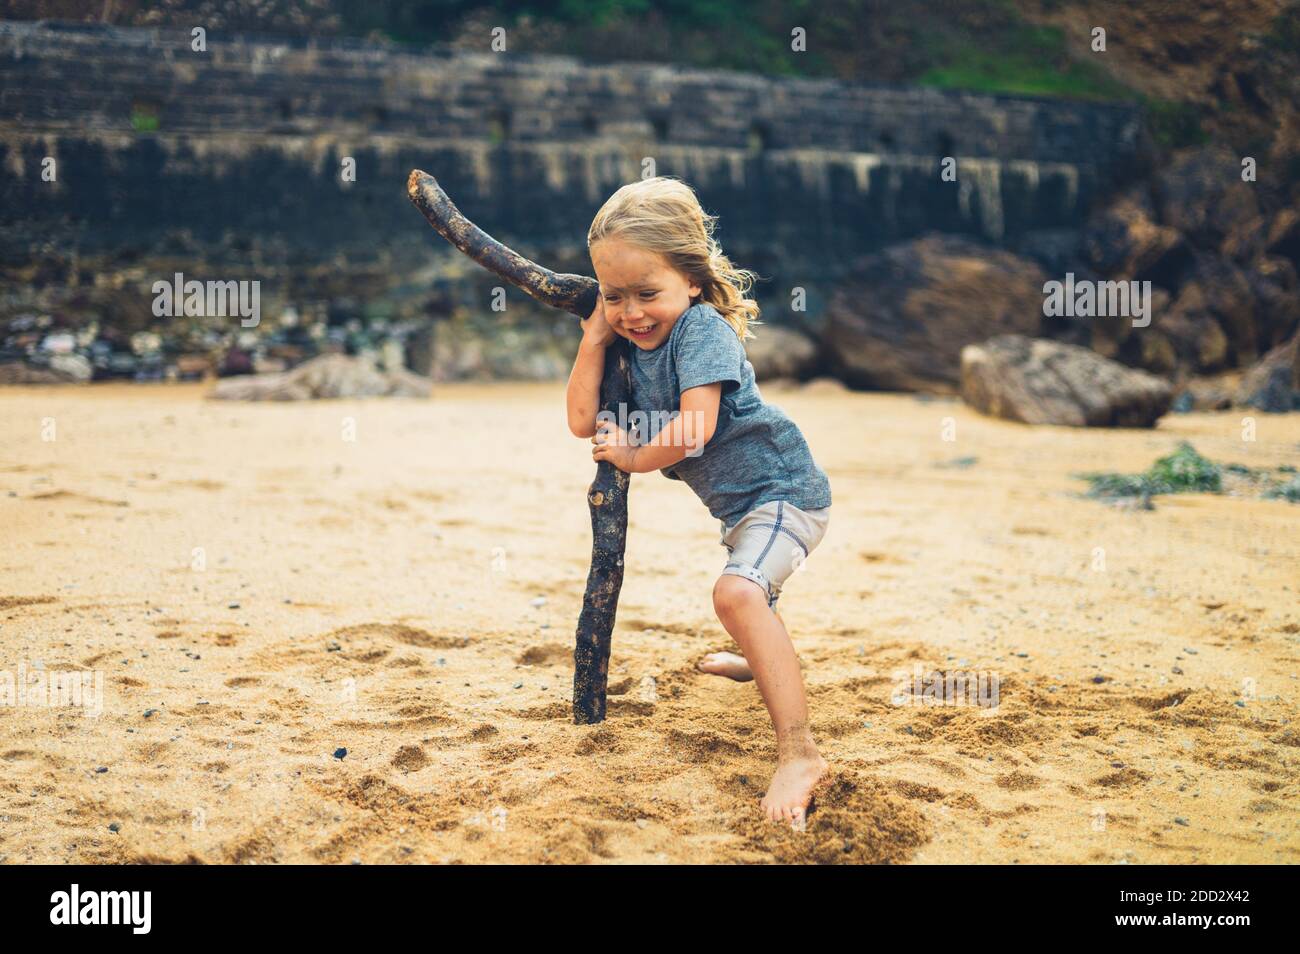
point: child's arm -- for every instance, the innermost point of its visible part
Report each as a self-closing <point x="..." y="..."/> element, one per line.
<point x="583" y="395"/>
<point x="687" y="433"/>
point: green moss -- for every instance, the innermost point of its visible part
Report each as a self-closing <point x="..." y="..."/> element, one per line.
<point x="1023" y="59"/>
<point x="1289" y="491"/>
<point x="1182" y="472"/>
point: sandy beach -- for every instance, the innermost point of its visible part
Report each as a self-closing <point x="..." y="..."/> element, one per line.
<point x="263" y="586"/>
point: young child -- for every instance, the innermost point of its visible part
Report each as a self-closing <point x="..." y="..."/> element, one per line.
<point x="666" y="286"/>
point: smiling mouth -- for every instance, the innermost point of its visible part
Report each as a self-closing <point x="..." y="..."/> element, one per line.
<point x="643" y="333"/>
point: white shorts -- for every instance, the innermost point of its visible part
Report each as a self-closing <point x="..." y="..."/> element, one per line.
<point x="771" y="541"/>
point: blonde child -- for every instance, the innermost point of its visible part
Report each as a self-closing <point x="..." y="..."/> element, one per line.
<point x="666" y="287"/>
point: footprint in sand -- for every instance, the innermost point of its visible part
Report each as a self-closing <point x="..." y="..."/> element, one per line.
<point x="409" y="758"/>
<point x="396" y="632"/>
<point x="546" y="655"/>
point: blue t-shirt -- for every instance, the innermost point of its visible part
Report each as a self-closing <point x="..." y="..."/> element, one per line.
<point x="756" y="454"/>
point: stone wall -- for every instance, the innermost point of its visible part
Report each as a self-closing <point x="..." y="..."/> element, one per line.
<point x="153" y="139"/>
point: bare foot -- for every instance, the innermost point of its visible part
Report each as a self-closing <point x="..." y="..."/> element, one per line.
<point x="791" y="789"/>
<point x="726" y="664"/>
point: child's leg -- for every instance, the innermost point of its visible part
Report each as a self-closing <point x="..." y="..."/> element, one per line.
<point x="742" y="608"/>
<point x="731" y="665"/>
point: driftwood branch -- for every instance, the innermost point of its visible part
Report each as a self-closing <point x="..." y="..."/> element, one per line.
<point x="607" y="495"/>
<point x="575" y="294"/>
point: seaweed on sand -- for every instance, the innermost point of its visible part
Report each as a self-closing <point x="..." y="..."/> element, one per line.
<point x="1184" y="471"/>
<point x="1187" y="472"/>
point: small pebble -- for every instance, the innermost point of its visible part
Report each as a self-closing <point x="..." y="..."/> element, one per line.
<point x="1180" y="821"/>
<point x="232" y="606"/>
<point x="339" y="753"/>
<point x="101" y="770"/>
<point x="114" y="827"/>
<point x="150" y="712"/>
<point x="539" y="601"/>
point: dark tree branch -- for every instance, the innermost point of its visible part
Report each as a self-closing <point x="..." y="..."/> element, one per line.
<point x="607" y="495"/>
<point x="575" y="294"/>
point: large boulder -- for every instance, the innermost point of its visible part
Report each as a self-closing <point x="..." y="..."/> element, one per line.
<point x="900" y="320"/>
<point x="1274" y="383"/>
<point x="778" y="352"/>
<point x="1038" y="381"/>
<point x="329" y="376"/>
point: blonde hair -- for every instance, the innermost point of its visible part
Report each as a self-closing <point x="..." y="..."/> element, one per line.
<point x="662" y="214"/>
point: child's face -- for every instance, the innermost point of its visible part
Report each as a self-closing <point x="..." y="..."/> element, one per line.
<point x="644" y="296"/>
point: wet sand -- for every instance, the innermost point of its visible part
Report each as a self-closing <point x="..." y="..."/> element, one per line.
<point x="257" y="592"/>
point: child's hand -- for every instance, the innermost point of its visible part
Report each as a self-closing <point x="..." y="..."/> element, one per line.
<point x="613" y="444"/>
<point x="595" y="329"/>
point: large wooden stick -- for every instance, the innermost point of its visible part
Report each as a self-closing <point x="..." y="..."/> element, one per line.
<point x="607" y="495"/>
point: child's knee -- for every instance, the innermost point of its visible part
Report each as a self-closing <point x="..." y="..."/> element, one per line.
<point x="732" y="593"/>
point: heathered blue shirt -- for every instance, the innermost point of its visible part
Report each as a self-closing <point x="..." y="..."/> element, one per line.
<point x="756" y="454"/>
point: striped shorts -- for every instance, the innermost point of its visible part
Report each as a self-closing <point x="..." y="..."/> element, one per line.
<point x="771" y="541"/>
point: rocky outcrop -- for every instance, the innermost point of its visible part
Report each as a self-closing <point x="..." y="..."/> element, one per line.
<point x="1037" y="381"/>
<point x="1274" y="383"/>
<point x="901" y="320"/>
<point x="329" y="376"/>
<point x="1222" y="268"/>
